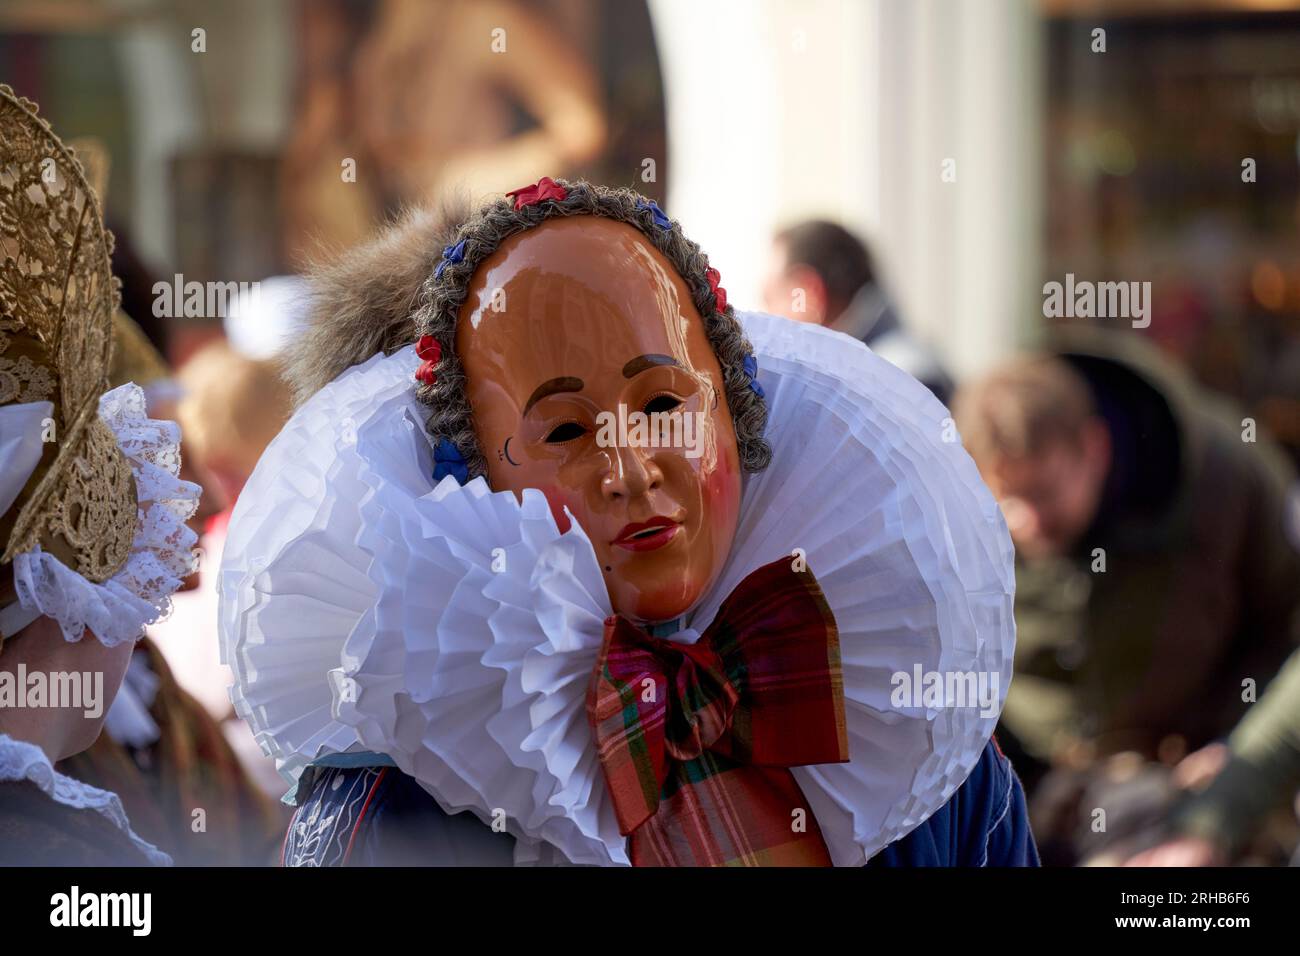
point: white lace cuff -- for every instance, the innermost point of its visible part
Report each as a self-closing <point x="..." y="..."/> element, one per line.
<point x="162" y="553"/>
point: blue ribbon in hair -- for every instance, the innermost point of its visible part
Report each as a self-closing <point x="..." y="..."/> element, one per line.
<point x="661" y="220"/>
<point x="454" y="253"/>
<point x="447" y="460"/>
<point x="750" y="366"/>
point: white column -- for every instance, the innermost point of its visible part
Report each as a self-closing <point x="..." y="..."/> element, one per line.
<point x="847" y="109"/>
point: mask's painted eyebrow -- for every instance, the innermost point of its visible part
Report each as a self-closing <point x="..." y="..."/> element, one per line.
<point x="552" y="385"/>
<point x="643" y="362"/>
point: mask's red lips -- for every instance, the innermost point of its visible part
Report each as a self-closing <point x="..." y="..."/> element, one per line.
<point x="647" y="535"/>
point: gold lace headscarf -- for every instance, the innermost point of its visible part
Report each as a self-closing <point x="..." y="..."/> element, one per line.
<point x="57" y="300"/>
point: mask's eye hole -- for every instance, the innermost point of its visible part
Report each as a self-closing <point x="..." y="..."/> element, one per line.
<point x="662" y="403"/>
<point x="568" y="431"/>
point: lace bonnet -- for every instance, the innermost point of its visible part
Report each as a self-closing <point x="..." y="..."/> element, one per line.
<point x="78" y="505"/>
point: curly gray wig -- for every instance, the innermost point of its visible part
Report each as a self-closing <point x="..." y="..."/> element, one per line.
<point x="443" y="295"/>
<point x="384" y="294"/>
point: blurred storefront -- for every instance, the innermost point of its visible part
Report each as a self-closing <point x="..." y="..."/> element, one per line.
<point x="982" y="148"/>
<point x="1174" y="157"/>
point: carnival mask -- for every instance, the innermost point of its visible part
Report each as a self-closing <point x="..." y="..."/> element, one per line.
<point x="591" y="378"/>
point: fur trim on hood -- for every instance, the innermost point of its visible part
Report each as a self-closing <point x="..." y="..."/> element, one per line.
<point x="363" y="301"/>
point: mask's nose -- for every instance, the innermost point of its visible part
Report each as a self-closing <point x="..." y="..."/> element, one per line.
<point x="632" y="473"/>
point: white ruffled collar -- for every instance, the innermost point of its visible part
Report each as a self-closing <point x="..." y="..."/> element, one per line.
<point x="20" y="760"/>
<point x="162" y="551"/>
<point x="360" y="608"/>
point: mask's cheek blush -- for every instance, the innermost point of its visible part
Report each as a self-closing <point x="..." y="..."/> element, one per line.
<point x="722" y="494"/>
<point x="558" y="499"/>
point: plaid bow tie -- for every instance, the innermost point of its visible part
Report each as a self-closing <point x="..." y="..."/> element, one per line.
<point x="696" y="740"/>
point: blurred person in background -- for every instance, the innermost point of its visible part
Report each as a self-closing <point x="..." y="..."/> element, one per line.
<point x="823" y="274"/>
<point x="143" y="332"/>
<point x="231" y="407"/>
<point x="1157" y="574"/>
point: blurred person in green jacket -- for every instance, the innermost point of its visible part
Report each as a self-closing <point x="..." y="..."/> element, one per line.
<point x="1157" y="568"/>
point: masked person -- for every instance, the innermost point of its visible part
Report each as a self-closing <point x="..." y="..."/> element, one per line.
<point x="93" y="527"/>
<point x="544" y="570"/>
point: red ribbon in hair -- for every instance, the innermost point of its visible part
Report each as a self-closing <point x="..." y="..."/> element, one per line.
<point x="544" y="188"/>
<point x="719" y="293"/>
<point x="429" y="350"/>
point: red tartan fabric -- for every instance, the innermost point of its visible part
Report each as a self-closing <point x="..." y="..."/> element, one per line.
<point x="696" y="740"/>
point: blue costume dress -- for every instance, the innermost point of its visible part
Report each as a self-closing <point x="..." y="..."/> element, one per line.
<point x="378" y="816"/>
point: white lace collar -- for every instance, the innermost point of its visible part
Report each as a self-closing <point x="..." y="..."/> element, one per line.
<point x="20" y="760"/>
<point x="360" y="609"/>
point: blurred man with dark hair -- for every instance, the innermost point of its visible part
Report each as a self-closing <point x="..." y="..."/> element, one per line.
<point x="822" y="273"/>
<point x="1033" y="428"/>
<point x="1156" y="570"/>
